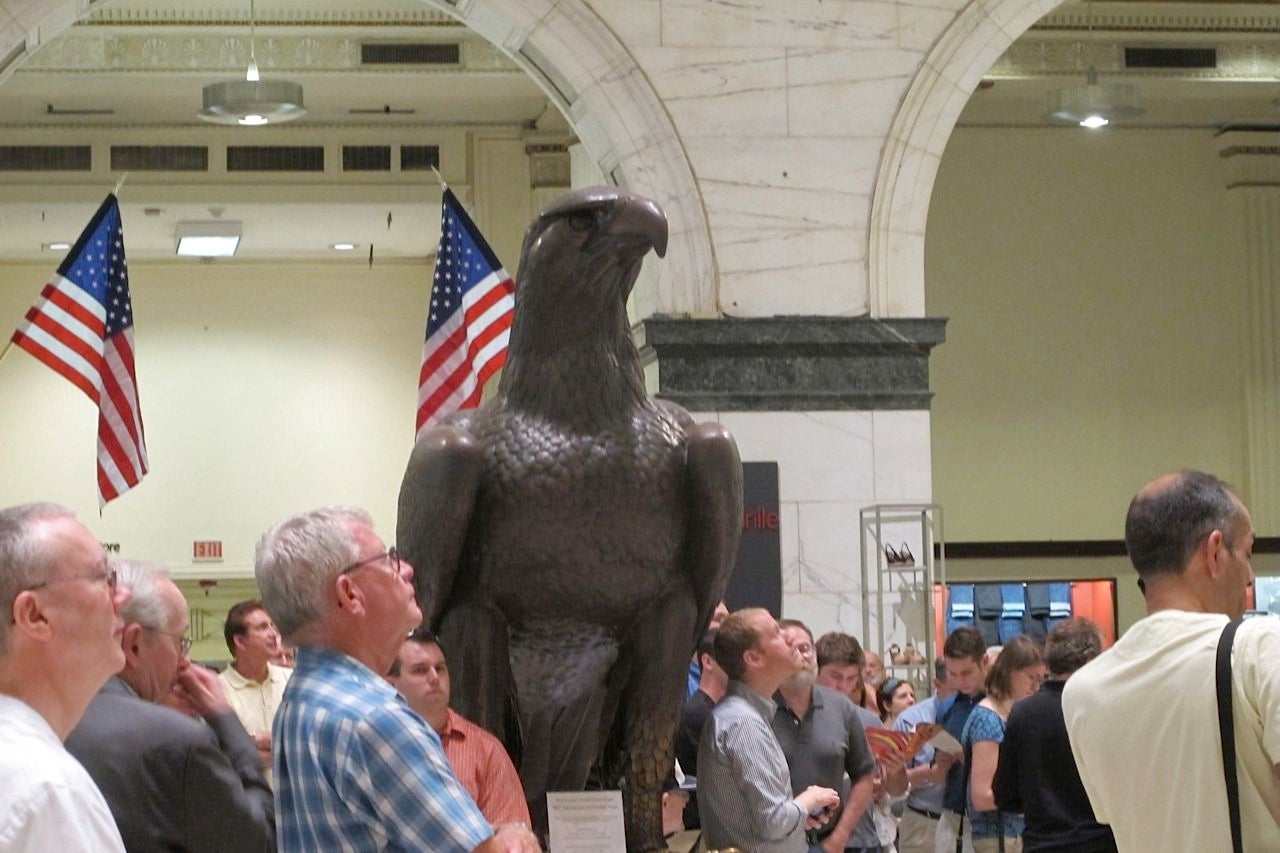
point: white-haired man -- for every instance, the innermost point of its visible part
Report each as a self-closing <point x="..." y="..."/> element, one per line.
<point x="173" y="783"/>
<point x="59" y="641"/>
<point x="355" y="768"/>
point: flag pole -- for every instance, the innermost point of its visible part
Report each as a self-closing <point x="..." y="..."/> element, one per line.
<point x="120" y="183"/>
<point x="436" y="172"/>
<point x="4" y="352"/>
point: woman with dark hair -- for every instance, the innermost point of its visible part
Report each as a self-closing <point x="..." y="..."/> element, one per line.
<point x="1015" y="675"/>
<point x="893" y="697"/>
<point x="1037" y="773"/>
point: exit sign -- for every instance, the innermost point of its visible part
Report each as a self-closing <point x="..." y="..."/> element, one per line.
<point x="207" y="551"/>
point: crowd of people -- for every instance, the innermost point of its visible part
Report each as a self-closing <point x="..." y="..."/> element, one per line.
<point x="114" y="740"/>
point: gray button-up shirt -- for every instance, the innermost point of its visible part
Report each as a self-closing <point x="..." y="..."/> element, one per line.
<point x="744" y="787"/>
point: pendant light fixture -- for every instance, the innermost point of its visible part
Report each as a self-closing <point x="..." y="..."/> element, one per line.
<point x="1094" y="105"/>
<point x="252" y="102"/>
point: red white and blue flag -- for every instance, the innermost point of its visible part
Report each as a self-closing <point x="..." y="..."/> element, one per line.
<point x="82" y="327"/>
<point x="469" y="324"/>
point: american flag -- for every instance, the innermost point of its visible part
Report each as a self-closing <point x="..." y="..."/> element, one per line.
<point x="82" y="327"/>
<point x="472" y="302"/>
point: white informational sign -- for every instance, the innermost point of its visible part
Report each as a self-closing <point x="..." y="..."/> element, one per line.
<point x="586" y="822"/>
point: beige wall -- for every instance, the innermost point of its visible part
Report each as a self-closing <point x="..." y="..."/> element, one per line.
<point x="1094" y="287"/>
<point x="266" y="389"/>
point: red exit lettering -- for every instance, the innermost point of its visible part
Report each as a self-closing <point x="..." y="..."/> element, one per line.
<point x="206" y="550"/>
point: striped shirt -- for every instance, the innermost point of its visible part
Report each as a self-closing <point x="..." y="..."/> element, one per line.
<point x="482" y="765"/>
<point x="744" y="786"/>
<point x="356" y="770"/>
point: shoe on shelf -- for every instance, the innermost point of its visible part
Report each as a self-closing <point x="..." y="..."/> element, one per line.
<point x="896" y="655"/>
<point x="892" y="556"/>
<point x="912" y="654"/>
<point x="905" y="555"/>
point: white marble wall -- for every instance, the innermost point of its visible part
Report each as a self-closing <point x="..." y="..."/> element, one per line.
<point x="831" y="465"/>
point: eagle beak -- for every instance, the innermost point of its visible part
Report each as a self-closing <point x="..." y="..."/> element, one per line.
<point x="643" y="218"/>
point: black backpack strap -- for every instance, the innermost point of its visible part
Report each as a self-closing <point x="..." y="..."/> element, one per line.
<point x="1227" y="730"/>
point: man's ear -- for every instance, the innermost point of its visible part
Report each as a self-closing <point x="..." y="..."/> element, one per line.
<point x="753" y="657"/>
<point x="28" y="617"/>
<point x="1214" y="546"/>
<point x="131" y="642"/>
<point x="350" y="598"/>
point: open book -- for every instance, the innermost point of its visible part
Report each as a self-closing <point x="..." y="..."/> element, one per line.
<point x="885" y="741"/>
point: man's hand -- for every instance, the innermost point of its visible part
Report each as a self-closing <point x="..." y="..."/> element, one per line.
<point x="201" y="689"/>
<point x="818" y="803"/>
<point x="262" y="740"/>
<point x="516" y="838"/>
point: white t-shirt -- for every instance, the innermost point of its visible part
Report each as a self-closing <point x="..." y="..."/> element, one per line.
<point x="1143" y="723"/>
<point x="47" y="800"/>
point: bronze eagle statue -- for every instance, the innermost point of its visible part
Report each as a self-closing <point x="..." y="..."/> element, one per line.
<point x="572" y="536"/>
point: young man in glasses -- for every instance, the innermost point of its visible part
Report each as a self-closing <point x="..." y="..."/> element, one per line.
<point x="355" y="767"/>
<point x="173" y="783"/>
<point x="59" y="641"/>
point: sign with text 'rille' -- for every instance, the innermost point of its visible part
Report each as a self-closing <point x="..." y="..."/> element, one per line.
<point x="757" y="573"/>
<point x="206" y="551"/>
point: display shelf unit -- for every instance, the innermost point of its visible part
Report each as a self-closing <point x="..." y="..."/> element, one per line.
<point x="897" y="597"/>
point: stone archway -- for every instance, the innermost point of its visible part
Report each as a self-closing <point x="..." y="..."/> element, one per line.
<point x="586" y="71"/>
<point x="913" y="149"/>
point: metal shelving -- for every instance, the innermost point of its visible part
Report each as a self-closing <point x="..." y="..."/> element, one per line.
<point x="897" y="598"/>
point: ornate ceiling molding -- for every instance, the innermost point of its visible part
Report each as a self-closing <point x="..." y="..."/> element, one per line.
<point x="201" y="51"/>
<point x="1163" y="18"/>
<point x="308" y="17"/>
<point x="1254" y="59"/>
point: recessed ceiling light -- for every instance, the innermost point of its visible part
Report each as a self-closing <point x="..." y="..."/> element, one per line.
<point x="344" y="247"/>
<point x="56" y="247"/>
<point x="208" y="239"/>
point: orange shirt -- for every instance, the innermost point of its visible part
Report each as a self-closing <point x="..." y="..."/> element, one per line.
<point x="482" y="765"/>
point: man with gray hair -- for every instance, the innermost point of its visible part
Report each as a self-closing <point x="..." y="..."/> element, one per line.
<point x="172" y="782"/>
<point x="1145" y="710"/>
<point x="355" y="768"/>
<point x="59" y="641"/>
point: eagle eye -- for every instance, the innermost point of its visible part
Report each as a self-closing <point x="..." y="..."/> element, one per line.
<point x="584" y="220"/>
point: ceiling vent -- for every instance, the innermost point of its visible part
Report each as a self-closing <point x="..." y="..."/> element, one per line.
<point x="419" y="158"/>
<point x="159" y="158"/>
<point x="366" y="158"/>
<point x="275" y="158"/>
<point x="45" y="158"/>
<point x="1170" y="57"/>
<point x="410" y="53"/>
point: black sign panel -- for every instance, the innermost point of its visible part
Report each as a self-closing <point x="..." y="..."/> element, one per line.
<point x="757" y="574"/>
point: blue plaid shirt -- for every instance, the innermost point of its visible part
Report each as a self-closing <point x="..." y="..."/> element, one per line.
<point x="356" y="770"/>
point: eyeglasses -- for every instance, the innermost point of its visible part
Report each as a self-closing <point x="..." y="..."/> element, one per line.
<point x="391" y="555"/>
<point x="184" y="642"/>
<point x="109" y="576"/>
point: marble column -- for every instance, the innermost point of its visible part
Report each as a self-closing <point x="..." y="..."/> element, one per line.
<point x="1252" y="163"/>
<point x="840" y="403"/>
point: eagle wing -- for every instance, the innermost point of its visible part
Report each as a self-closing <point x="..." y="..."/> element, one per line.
<point x="713" y="473"/>
<point x="437" y="499"/>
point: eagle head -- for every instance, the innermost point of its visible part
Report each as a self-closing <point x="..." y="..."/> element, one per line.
<point x="592" y="239"/>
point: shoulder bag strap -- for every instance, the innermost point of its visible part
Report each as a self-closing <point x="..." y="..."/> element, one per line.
<point x="1227" y="730"/>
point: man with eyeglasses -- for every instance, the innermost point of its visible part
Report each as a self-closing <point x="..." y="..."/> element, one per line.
<point x="355" y="768"/>
<point x="172" y="782"/>
<point x="59" y="641"/>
